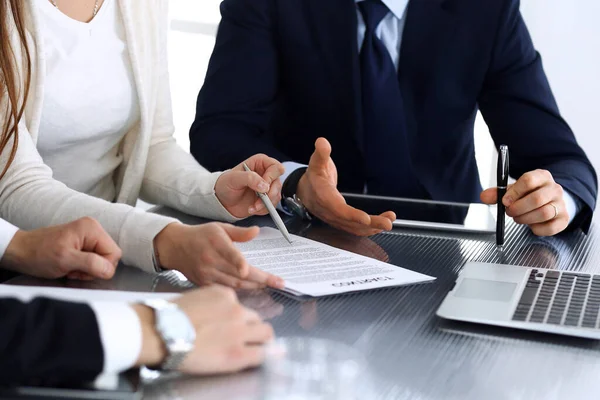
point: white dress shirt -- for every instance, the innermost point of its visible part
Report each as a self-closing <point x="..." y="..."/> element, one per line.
<point x="390" y="32"/>
<point x="119" y="326"/>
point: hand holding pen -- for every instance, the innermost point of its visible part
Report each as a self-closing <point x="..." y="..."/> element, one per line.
<point x="535" y="199"/>
<point x="236" y="188"/>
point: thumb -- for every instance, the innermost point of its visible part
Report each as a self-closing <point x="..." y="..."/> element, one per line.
<point x="489" y="196"/>
<point x="92" y="264"/>
<point x="238" y="234"/>
<point x="322" y="154"/>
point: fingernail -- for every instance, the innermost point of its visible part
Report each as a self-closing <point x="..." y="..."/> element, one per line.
<point x="508" y="201"/>
<point x="251" y="210"/>
<point x="263" y="187"/>
<point x="107" y="270"/>
<point x="280" y="284"/>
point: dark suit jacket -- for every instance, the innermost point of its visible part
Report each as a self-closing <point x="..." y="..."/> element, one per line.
<point x="285" y="72"/>
<point x="48" y="342"/>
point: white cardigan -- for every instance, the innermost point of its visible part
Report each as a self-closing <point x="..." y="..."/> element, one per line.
<point x="154" y="167"/>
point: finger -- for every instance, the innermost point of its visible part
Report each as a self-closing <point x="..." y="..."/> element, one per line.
<point x="543" y="214"/>
<point x="239" y="180"/>
<point x="238" y="234"/>
<point x="353" y="228"/>
<point x="274" y="170"/>
<point x="534" y="200"/>
<point x="489" y="196"/>
<point x="251" y="317"/>
<point x="79" y="276"/>
<point x="350" y="226"/>
<point x="275" y="192"/>
<point x="264" y="278"/>
<point x="97" y="240"/>
<point x="253" y="356"/>
<point x="381" y="222"/>
<point x="550" y="228"/>
<point x="224" y="279"/>
<point x="526" y="184"/>
<point x="258" y="333"/>
<point x="232" y="259"/>
<point x="389" y="215"/>
<point x="334" y="205"/>
<point x="258" y="208"/>
<point x="92" y="264"/>
<point x="322" y="154"/>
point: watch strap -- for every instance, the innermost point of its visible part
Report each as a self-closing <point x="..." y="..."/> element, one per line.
<point x="174" y="359"/>
<point x="290" y="186"/>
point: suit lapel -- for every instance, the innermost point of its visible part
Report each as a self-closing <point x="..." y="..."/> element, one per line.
<point x="334" y="28"/>
<point x="429" y="26"/>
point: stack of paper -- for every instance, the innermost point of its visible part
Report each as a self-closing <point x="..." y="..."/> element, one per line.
<point x="316" y="269"/>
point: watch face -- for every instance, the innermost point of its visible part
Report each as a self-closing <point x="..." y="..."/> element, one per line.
<point x="175" y="327"/>
<point x="293" y="206"/>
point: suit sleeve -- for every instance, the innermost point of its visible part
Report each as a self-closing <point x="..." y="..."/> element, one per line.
<point x="521" y="112"/>
<point x="237" y="99"/>
<point x="48" y="342"/>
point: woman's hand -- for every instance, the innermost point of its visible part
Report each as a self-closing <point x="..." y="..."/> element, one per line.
<point x="79" y="250"/>
<point x="229" y="337"/>
<point x="236" y="189"/>
<point x="206" y="254"/>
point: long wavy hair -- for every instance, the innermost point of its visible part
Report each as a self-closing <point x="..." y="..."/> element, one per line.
<point x="14" y="95"/>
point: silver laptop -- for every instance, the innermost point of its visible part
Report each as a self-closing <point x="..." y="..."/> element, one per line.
<point x="535" y="299"/>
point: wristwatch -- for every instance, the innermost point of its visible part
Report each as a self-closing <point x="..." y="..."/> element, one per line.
<point x="291" y="202"/>
<point x="176" y="331"/>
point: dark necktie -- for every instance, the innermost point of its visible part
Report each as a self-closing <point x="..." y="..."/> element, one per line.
<point x="388" y="166"/>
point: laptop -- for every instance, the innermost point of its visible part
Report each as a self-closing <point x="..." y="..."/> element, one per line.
<point x="428" y="214"/>
<point x="535" y="299"/>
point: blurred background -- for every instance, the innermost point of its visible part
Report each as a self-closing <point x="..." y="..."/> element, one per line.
<point x="566" y="32"/>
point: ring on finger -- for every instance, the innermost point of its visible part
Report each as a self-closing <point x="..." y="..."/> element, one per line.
<point x="555" y="210"/>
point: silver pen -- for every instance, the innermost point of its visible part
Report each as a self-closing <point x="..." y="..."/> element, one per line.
<point x="273" y="212"/>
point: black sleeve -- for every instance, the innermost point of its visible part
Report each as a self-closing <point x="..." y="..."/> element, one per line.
<point x="236" y="102"/>
<point x="48" y="342"/>
<point x="521" y="112"/>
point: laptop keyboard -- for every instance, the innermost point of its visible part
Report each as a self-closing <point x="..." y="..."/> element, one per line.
<point x="560" y="298"/>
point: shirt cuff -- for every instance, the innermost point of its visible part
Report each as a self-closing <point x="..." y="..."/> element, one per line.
<point x="7" y="233"/>
<point x="121" y="336"/>
<point x="290" y="167"/>
<point x="572" y="204"/>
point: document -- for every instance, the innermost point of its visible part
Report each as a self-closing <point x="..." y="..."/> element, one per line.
<point x="315" y="269"/>
<point x="27" y="293"/>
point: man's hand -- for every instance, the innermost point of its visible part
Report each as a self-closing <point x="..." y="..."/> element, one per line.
<point x="534" y="200"/>
<point x="236" y="189"/>
<point x="318" y="192"/>
<point x="229" y="337"/>
<point x="79" y="250"/>
<point x="206" y="254"/>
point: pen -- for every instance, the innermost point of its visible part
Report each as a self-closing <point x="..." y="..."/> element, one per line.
<point x="273" y="212"/>
<point x="502" y="177"/>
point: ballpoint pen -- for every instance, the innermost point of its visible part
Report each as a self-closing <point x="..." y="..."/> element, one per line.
<point x="502" y="177"/>
<point x="273" y="212"/>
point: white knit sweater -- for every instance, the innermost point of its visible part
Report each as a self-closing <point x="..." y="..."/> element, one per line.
<point x="154" y="167"/>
